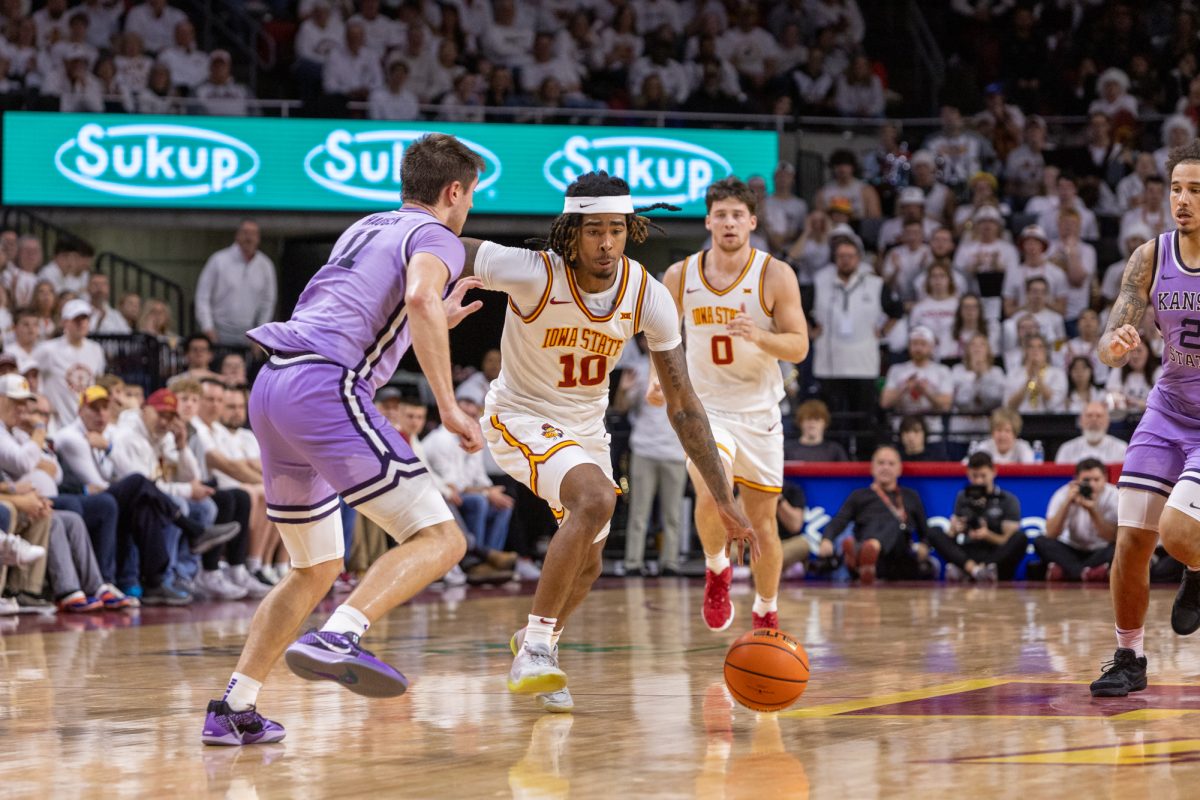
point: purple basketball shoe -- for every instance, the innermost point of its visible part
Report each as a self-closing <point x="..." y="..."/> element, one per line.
<point x="224" y="726"/>
<point x="323" y="655"/>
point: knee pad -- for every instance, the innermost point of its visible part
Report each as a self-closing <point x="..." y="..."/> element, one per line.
<point x="1185" y="497"/>
<point x="1139" y="508"/>
<point x="402" y="514"/>
<point x="312" y="543"/>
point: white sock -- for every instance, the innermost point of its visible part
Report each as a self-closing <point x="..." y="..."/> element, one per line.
<point x="253" y="564"/>
<point x="554" y="637"/>
<point x="242" y="692"/>
<point x="1194" y="569"/>
<point x="716" y="563"/>
<point x="764" y="605"/>
<point x="540" y="630"/>
<point x="347" y="619"/>
<point x="1131" y="640"/>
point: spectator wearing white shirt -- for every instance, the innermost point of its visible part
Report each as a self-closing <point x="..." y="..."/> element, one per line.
<point x="1005" y="445"/>
<point x="422" y="61"/>
<point x="508" y="40"/>
<point x="1132" y="187"/>
<point x="434" y="76"/>
<point x="154" y="22"/>
<point x="1024" y="164"/>
<point x="105" y="319"/>
<point x="1034" y="245"/>
<point x="911" y="207"/>
<point x="937" y="310"/>
<point x="76" y="88"/>
<point x="1081" y="527"/>
<point x="1131" y="239"/>
<point x="187" y="63"/>
<point x="752" y="50"/>
<point x="1049" y="322"/>
<point x="848" y="320"/>
<point x="75" y="44"/>
<point x="1077" y="259"/>
<point x="352" y="70"/>
<point x="978" y="386"/>
<point x="653" y="14"/>
<point x="841" y="16"/>
<point x="676" y="80"/>
<point x="394" y="100"/>
<point x="26" y="335"/>
<point x="104" y="20"/>
<point x="1085" y="343"/>
<point x="319" y="35"/>
<point x="475" y="387"/>
<point x="485" y="507"/>
<point x="1066" y="196"/>
<point x="382" y="32"/>
<point x="1151" y="211"/>
<point x="1038" y="387"/>
<point x="782" y="213"/>
<point x="1177" y="131"/>
<point x="236" y="290"/>
<point x="986" y="251"/>
<point x="919" y="385"/>
<point x="52" y="23"/>
<point x="464" y="103"/>
<point x="221" y="95"/>
<point x="70" y="363"/>
<point x="1095" y="441"/>
<point x="1130" y="385"/>
<point x="133" y="65"/>
<point x="904" y="264"/>
<point x="67" y="270"/>
<point x="960" y="151"/>
<point x="814" y="84"/>
<point x="1114" y="99"/>
<point x="939" y="199"/>
<point x="858" y="92"/>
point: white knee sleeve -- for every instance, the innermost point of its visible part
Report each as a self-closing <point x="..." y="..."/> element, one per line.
<point x="1185" y="497"/>
<point x="312" y="543"/>
<point x="402" y="514"/>
<point x="1139" y="508"/>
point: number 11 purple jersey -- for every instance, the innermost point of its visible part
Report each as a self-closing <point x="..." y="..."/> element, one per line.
<point x="352" y="312"/>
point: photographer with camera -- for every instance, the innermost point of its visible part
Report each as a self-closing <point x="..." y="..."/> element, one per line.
<point x="1081" y="527"/>
<point x="985" y="539"/>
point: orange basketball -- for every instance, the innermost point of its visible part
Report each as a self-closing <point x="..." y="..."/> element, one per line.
<point x="766" y="670"/>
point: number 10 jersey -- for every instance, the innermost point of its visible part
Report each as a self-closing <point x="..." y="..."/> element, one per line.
<point x="559" y="343"/>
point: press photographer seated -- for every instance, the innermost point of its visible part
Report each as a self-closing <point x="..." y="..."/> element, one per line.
<point x="1081" y="527"/>
<point x="985" y="540"/>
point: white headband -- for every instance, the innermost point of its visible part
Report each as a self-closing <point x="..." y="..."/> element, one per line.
<point x="617" y="204"/>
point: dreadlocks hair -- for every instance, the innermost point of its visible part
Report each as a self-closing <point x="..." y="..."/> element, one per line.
<point x="564" y="230"/>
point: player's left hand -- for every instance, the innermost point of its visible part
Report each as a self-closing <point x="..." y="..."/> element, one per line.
<point x="456" y="312"/>
<point x="738" y="533"/>
<point x="742" y="325"/>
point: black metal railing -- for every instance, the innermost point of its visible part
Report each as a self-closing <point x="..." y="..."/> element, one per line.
<point x="126" y="275"/>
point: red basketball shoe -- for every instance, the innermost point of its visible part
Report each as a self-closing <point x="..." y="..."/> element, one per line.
<point x="718" y="608"/>
<point x="767" y="620"/>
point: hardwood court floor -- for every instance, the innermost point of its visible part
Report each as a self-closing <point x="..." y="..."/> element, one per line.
<point x="916" y="692"/>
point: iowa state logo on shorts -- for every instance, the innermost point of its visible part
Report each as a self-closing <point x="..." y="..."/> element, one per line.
<point x="551" y="432"/>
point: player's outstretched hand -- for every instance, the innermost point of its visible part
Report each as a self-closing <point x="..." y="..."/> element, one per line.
<point x="1122" y="341"/>
<point x="456" y="312"/>
<point x="738" y="533"/>
<point x="466" y="427"/>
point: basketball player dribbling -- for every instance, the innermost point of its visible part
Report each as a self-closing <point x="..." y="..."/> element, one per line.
<point x="1159" y="489"/>
<point x="383" y="288"/>
<point x="571" y="310"/>
<point x="736" y="336"/>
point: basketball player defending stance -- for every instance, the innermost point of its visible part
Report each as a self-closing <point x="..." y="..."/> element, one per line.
<point x="1160" y="483"/>
<point x="742" y="315"/>
<point x="321" y="435"/>
<point x="571" y="310"/>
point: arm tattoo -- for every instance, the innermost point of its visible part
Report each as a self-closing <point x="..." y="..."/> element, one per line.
<point x="472" y="247"/>
<point x="690" y="422"/>
<point x="1135" y="290"/>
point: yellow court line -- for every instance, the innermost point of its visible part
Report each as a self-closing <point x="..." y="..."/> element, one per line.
<point x="833" y="709"/>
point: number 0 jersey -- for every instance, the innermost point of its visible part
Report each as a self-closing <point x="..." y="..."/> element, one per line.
<point x="559" y="343"/>
<point x="728" y="372"/>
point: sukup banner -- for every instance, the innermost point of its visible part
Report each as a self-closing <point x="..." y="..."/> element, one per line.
<point x="116" y="160"/>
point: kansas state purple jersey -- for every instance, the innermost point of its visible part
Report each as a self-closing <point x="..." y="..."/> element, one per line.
<point x="352" y="311"/>
<point x="1175" y="298"/>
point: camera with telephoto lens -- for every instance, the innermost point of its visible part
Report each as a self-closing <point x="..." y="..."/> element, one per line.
<point x="1085" y="491"/>
<point x="977" y="497"/>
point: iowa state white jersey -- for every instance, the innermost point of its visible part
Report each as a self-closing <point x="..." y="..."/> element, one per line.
<point x="559" y="344"/>
<point x="728" y="372"/>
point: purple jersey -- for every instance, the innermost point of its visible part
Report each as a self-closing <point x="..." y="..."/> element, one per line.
<point x="352" y="312"/>
<point x="1175" y="298"/>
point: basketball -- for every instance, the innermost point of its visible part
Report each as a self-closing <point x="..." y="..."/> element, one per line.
<point x="766" y="670"/>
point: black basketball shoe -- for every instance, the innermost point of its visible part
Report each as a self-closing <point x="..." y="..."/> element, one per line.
<point x="1185" y="612"/>
<point x="1124" y="674"/>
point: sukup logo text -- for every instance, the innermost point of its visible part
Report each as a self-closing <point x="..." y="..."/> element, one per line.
<point x="155" y="160"/>
<point x="367" y="165"/>
<point x="658" y="169"/>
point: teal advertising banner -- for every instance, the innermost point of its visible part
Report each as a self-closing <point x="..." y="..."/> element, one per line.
<point x="112" y="160"/>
